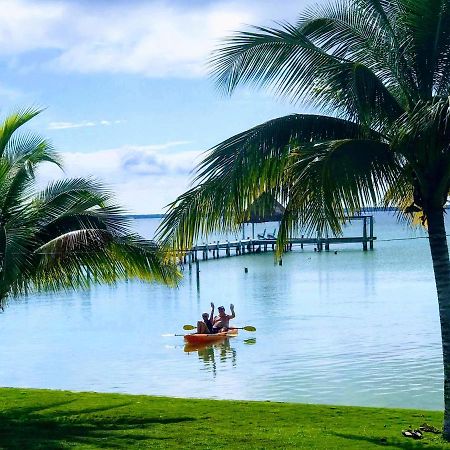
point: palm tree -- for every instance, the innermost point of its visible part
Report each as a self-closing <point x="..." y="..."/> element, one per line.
<point x="379" y="73"/>
<point x="67" y="236"/>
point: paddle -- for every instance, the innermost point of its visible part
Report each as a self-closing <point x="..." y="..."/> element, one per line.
<point x="247" y="328"/>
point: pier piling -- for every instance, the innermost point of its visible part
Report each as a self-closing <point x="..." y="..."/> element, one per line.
<point x="365" y="235"/>
<point x="197" y="271"/>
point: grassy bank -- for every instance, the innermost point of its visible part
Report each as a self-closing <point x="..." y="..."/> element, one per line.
<point x="58" y="419"/>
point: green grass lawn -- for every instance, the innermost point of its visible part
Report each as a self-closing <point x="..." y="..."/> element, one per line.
<point x="58" y="419"/>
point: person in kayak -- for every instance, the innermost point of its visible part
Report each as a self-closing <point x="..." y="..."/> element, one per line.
<point x="222" y="321"/>
<point x="206" y="326"/>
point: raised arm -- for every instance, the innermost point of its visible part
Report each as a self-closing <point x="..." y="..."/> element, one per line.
<point x="211" y="316"/>
<point x="233" y="315"/>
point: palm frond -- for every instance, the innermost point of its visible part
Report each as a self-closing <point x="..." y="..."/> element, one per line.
<point x="15" y="255"/>
<point x="239" y="170"/>
<point x="249" y="150"/>
<point x="267" y="56"/>
<point x="426" y="29"/>
<point x="83" y="257"/>
<point x="334" y="179"/>
<point x="13" y="122"/>
<point x="359" y="93"/>
<point x="286" y="60"/>
<point x="342" y="29"/>
<point x="201" y="210"/>
<point x="69" y="235"/>
<point x="361" y="32"/>
<point x="21" y="155"/>
<point x="385" y="11"/>
<point x="426" y="127"/>
<point x="31" y="147"/>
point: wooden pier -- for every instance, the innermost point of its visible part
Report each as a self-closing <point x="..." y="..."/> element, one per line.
<point x="240" y="247"/>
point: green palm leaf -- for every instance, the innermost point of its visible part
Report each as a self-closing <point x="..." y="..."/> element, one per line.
<point x="239" y="170"/>
<point x="426" y="27"/>
<point x="331" y="180"/>
<point x="289" y="62"/>
<point x="71" y="234"/>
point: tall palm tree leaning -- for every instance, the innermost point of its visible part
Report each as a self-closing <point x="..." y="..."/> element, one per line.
<point x="67" y="236"/>
<point x="379" y="71"/>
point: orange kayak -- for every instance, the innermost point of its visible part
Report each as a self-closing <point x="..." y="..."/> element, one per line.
<point x="196" y="338"/>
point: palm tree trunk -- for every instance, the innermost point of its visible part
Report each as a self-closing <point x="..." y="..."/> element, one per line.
<point x="441" y="266"/>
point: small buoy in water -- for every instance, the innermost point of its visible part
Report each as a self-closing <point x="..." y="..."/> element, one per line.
<point x="335" y="253"/>
<point x="246" y="269"/>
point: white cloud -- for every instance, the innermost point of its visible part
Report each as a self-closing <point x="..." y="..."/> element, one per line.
<point x="29" y="25"/>
<point x="82" y="124"/>
<point x="153" y="38"/>
<point x="144" y="178"/>
<point x="64" y="125"/>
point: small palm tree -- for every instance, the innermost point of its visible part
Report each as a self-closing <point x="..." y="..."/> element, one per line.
<point x="67" y="236"/>
<point x="379" y="70"/>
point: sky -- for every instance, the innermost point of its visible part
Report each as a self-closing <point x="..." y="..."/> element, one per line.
<point x="126" y="94"/>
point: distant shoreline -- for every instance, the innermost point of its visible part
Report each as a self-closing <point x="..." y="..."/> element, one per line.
<point x="161" y="216"/>
<point x="146" y="216"/>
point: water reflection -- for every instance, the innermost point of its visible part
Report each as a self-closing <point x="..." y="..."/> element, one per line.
<point x="213" y="354"/>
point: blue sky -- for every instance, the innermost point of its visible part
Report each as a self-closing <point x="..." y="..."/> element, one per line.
<point x="125" y="89"/>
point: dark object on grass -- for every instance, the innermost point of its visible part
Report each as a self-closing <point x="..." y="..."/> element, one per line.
<point x="415" y="434"/>
<point x="429" y="428"/>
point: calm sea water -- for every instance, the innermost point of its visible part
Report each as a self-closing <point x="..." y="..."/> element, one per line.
<point x="354" y="328"/>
